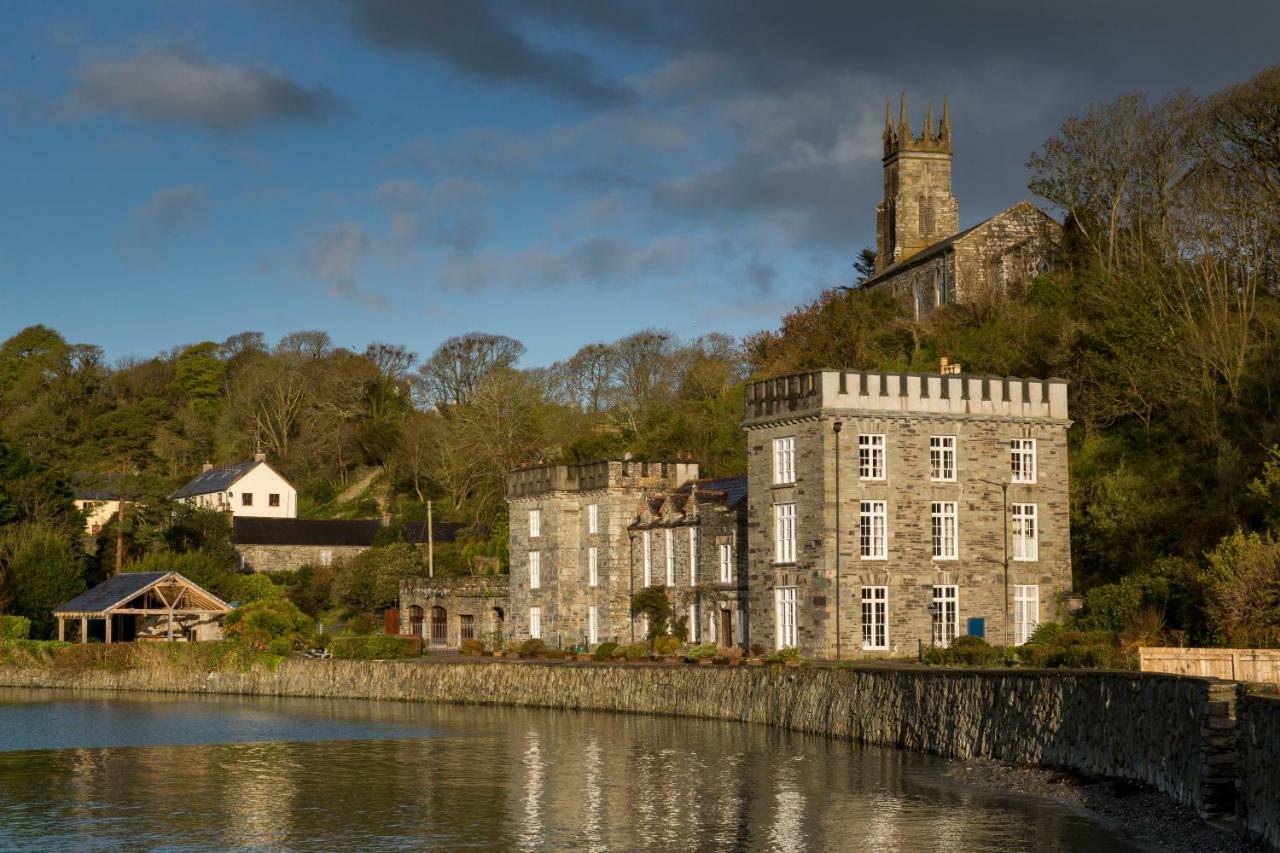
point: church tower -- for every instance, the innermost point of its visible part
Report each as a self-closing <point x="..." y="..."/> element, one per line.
<point x="918" y="208"/>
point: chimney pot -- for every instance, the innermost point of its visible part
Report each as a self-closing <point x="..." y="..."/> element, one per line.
<point x="207" y="467"/>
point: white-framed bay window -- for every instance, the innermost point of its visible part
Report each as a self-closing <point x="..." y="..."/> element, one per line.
<point x="942" y="458"/>
<point x="875" y="617"/>
<point x="1026" y="612"/>
<point x="945" y="611"/>
<point x="943" y="526"/>
<point x="871" y="456"/>
<point x="695" y="536"/>
<point x="670" y="550"/>
<point x="1026" y="547"/>
<point x="535" y="569"/>
<point x="646" y="560"/>
<point x="784" y="533"/>
<point x="1022" y="460"/>
<point x="872" y="530"/>
<point x="785" y="601"/>
<point x="593" y="566"/>
<point x="784" y="460"/>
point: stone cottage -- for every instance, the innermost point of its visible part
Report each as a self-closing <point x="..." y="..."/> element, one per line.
<point x="447" y="612"/>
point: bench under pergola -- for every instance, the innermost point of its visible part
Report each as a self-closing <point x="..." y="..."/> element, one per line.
<point x="164" y="596"/>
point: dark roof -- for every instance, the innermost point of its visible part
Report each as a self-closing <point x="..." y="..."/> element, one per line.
<point x="217" y="479"/>
<point x="97" y="495"/>
<point x="733" y="488"/>
<point x="321" y="532"/>
<point x="111" y="592"/>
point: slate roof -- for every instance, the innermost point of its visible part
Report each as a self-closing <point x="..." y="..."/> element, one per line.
<point x="734" y="488"/>
<point x="96" y="495"/>
<point x="217" y="479"/>
<point x="111" y="592"/>
<point x="326" y="532"/>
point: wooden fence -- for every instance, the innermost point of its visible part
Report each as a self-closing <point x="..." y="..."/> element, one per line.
<point x="1261" y="665"/>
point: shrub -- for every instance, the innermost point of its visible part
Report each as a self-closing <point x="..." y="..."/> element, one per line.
<point x="758" y="650"/>
<point x="1059" y="647"/>
<point x="701" y="652"/>
<point x="375" y="647"/>
<point x="532" y="648"/>
<point x="666" y="646"/>
<point x="634" y="651"/>
<point x="14" y="627"/>
<point x="363" y="623"/>
<point x="471" y="647"/>
<point x="652" y="602"/>
<point x="784" y="655"/>
<point x="604" y="651"/>
<point x="260" y="624"/>
<point x="964" y="651"/>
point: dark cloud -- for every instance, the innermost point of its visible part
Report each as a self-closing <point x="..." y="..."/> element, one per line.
<point x="181" y="86"/>
<point x="471" y="38"/>
<point x="605" y="262"/>
<point x="172" y="212"/>
<point x="336" y="257"/>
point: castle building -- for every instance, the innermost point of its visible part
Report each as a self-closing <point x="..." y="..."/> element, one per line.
<point x="890" y="510"/>
<point x="921" y="253"/>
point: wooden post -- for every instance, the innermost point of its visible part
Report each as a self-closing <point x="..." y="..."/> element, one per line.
<point x="62" y="630"/>
<point x="84" y="629"/>
<point x="108" y="621"/>
<point x="170" y="627"/>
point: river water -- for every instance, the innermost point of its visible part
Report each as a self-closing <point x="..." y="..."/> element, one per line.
<point x="100" y="772"/>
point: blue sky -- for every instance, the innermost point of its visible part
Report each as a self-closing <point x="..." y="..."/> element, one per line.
<point x="561" y="172"/>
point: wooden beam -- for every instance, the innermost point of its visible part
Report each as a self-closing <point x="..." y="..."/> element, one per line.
<point x="84" y="629"/>
<point x="62" y="630"/>
<point x="109" y="620"/>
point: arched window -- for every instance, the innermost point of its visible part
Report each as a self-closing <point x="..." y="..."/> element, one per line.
<point x="439" y="626"/>
<point x="415" y="620"/>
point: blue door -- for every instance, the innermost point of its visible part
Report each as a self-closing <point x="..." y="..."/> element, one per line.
<point x="978" y="626"/>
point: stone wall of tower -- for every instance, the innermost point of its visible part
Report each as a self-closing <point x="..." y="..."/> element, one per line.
<point x="918" y="208"/>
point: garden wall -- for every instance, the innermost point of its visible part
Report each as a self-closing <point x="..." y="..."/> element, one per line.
<point x="1258" y="725"/>
<point x="1175" y="734"/>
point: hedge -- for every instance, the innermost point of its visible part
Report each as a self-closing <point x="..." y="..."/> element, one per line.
<point x="375" y="647"/>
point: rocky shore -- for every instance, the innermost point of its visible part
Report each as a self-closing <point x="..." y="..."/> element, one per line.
<point x="1153" y="819"/>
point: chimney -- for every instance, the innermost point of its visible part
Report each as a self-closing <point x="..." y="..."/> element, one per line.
<point x="207" y="467"/>
<point x="259" y="457"/>
<point x="945" y="366"/>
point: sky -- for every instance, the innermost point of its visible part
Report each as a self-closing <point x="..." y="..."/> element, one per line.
<point x="560" y="171"/>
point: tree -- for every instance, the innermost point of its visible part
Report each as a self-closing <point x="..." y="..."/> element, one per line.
<point x="865" y="264"/>
<point x="457" y="367"/>
<point x="652" y="603"/>
<point x="371" y="579"/>
<point x="273" y="624"/>
<point x="42" y="569"/>
<point x="1242" y="591"/>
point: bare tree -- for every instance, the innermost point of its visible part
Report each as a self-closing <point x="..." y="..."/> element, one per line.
<point x="458" y="366"/>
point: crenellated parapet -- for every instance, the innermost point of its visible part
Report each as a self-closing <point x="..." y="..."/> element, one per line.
<point x="593" y="476"/>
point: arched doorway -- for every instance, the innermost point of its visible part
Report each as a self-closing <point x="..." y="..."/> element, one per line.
<point x="439" y="626"/>
<point x="416" y="621"/>
<point x="495" y="622"/>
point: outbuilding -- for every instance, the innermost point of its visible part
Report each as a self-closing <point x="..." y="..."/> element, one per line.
<point x="145" y="606"/>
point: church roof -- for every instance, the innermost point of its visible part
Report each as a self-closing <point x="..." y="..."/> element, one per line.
<point x="935" y="249"/>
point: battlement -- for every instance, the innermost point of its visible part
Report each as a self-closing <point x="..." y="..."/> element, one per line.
<point x="604" y="474"/>
<point x="900" y="139"/>
<point x="857" y="392"/>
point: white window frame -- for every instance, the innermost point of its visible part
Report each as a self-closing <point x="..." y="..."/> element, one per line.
<point x="875" y="618"/>
<point x="695" y="623"/>
<point x="942" y="458"/>
<point x="593" y="566"/>
<point x="713" y="629"/>
<point x="535" y="570"/>
<point x="593" y="624"/>
<point x="871" y="456"/>
<point x="1026" y="612"/>
<point x="945" y="530"/>
<point x="535" y="523"/>
<point x="694" y="536"/>
<point x="873" y="530"/>
<point x="784" y="533"/>
<point x="785" y="614"/>
<point x="326" y="556"/>
<point x="784" y="460"/>
<point x="646" y="543"/>
<point x="946" y="621"/>
<point x="670" y="549"/>
<point x="535" y="622"/>
<point x="726" y="562"/>
<point x="1025" y="532"/>
<point x="593" y="518"/>
<point x="1022" y="460"/>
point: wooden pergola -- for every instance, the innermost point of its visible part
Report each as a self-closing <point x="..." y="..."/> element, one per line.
<point x="161" y="596"/>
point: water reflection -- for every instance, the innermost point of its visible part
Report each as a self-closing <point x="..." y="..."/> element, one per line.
<point x="310" y="775"/>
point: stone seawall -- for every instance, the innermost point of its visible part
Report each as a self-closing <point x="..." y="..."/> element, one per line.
<point x="1258" y="724"/>
<point x="1175" y="734"/>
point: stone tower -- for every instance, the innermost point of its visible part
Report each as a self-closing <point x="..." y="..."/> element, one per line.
<point x="918" y="208"/>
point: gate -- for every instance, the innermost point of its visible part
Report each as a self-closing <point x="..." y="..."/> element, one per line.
<point x="439" y="627"/>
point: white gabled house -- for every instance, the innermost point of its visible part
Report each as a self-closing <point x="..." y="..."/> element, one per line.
<point x="249" y="489"/>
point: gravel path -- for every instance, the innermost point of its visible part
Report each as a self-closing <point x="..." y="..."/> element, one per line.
<point x="1150" y="817"/>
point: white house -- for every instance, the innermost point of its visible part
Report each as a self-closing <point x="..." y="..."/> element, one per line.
<point x="99" y="506"/>
<point x="250" y="488"/>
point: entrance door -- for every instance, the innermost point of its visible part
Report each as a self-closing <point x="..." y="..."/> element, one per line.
<point x="724" y="632"/>
<point x="439" y="627"/>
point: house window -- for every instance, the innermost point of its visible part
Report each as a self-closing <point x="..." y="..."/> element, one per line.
<point x="942" y="458"/>
<point x="646" y="542"/>
<point x="1025" y="548"/>
<point x="946" y="614"/>
<point x="535" y="523"/>
<point x="695" y="623"/>
<point x="535" y="569"/>
<point x="535" y="622"/>
<point x="670" y="542"/>
<point x="1022" y="460"/>
<point x="785" y="597"/>
<point x="875" y="617"/>
<point x="740" y="633"/>
<point x="593" y="566"/>
<point x="712" y="628"/>
<point x="593" y="624"/>
<point x="871" y="530"/>
<point x="726" y="563"/>
<point x="466" y="627"/>
<point x="693" y="556"/>
<point x="326" y="557"/>
<point x="784" y="460"/>
<point x="593" y="518"/>
<point x="944" y="530"/>
<point x="871" y="457"/>
<point x="784" y="533"/>
<point x="273" y="500"/>
<point x="246" y="499"/>
<point x="1026" y="612"/>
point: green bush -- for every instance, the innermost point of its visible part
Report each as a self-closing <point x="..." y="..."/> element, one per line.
<point x="471" y="647"/>
<point x="14" y="627"/>
<point x="1054" y="646"/>
<point x="604" y="651"/>
<point x="364" y="623"/>
<point x="701" y="652"/>
<point x="532" y="648"/>
<point x="964" y="651"/>
<point x="666" y="646"/>
<point x="375" y="647"/>
<point x="784" y="655"/>
<point x="270" y="623"/>
<point x="634" y="651"/>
